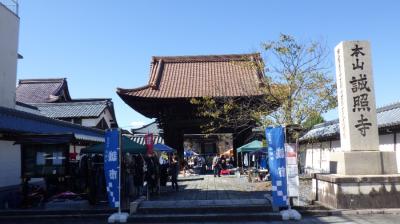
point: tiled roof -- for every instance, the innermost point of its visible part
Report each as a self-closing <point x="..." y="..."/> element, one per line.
<point x="388" y="116"/>
<point x="199" y="76"/>
<point x="73" y="109"/>
<point x="140" y="139"/>
<point x="41" y="90"/>
<point x="148" y="128"/>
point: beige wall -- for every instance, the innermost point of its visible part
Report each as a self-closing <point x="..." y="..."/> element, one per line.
<point x="317" y="154"/>
<point x="9" y="27"/>
<point x="91" y="122"/>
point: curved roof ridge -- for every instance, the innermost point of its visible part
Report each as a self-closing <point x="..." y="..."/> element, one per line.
<point x="123" y="90"/>
<point x="206" y="58"/>
<point x="389" y="106"/>
<point x="90" y="99"/>
<point x="69" y="103"/>
<point x="44" y="80"/>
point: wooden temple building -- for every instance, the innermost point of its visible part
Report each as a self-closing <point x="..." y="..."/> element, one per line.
<point x="174" y="81"/>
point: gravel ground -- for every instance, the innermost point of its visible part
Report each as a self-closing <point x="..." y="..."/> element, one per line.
<point x="305" y="189"/>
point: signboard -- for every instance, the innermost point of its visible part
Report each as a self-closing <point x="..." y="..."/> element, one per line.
<point x="111" y="166"/>
<point x="292" y="170"/>
<point x="149" y="140"/>
<point x="277" y="165"/>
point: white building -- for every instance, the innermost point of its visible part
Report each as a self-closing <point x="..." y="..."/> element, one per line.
<point x="51" y="98"/>
<point x="9" y="153"/>
<point x="19" y="122"/>
<point x="316" y="144"/>
<point x="9" y="29"/>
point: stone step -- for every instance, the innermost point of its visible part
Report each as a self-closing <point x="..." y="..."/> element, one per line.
<point x="65" y="212"/>
<point x="204" y="206"/>
<point x="211" y="217"/>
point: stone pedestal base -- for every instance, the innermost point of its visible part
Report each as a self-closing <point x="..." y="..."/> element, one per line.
<point x="357" y="191"/>
<point x="363" y="163"/>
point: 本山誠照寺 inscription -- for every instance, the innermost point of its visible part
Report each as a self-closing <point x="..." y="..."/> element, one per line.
<point x="357" y="111"/>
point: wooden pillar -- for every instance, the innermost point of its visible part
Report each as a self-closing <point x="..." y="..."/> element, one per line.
<point x="174" y="138"/>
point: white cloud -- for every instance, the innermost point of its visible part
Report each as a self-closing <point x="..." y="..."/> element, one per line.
<point x="137" y="124"/>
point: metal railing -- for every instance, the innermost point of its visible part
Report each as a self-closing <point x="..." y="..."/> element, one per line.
<point x="12" y="5"/>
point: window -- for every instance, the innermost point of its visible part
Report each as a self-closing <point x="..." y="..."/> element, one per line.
<point x="44" y="160"/>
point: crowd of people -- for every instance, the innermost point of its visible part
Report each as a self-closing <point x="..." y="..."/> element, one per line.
<point x="155" y="170"/>
<point x="220" y="164"/>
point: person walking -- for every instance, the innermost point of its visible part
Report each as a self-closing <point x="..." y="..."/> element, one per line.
<point x="174" y="171"/>
<point x="216" y="166"/>
<point x="138" y="175"/>
<point x="223" y="162"/>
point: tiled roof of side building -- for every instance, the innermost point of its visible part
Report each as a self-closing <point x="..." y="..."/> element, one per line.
<point x="199" y="76"/>
<point x="388" y="116"/>
<point x="140" y="138"/>
<point x="80" y="109"/>
<point x="148" y="128"/>
<point x="41" y="90"/>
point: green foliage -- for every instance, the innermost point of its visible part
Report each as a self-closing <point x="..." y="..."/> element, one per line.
<point x="312" y="120"/>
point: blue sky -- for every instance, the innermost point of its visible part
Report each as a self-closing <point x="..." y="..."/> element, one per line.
<point x="101" y="45"/>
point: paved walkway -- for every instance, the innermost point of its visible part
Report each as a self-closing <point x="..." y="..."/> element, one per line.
<point x="371" y="219"/>
<point x="208" y="187"/>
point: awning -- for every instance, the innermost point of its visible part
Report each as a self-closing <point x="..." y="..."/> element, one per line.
<point x="44" y="139"/>
<point x="128" y="146"/>
<point x="259" y="152"/>
<point x="17" y="122"/>
<point x="89" y="138"/>
<point x="62" y="138"/>
<point x="163" y="148"/>
<point x="252" y="146"/>
<point x="189" y="153"/>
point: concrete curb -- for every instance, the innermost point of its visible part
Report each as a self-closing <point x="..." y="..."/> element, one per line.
<point x="54" y="216"/>
<point x="392" y="211"/>
<point x="133" y="206"/>
<point x="326" y="211"/>
<point x="53" y="213"/>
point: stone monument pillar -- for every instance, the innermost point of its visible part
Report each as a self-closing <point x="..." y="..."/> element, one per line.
<point x="357" y="114"/>
<point x="361" y="175"/>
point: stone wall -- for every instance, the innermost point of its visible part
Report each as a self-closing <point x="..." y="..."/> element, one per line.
<point x="357" y="192"/>
<point x="223" y="142"/>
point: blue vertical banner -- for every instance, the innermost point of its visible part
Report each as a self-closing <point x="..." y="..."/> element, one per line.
<point x="277" y="165"/>
<point x="111" y="166"/>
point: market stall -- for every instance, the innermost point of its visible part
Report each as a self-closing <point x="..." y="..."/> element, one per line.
<point x="246" y="149"/>
<point x="254" y="160"/>
<point x="133" y="174"/>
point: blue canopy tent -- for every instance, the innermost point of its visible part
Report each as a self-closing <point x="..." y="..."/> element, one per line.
<point x="259" y="152"/>
<point x="189" y="153"/>
<point x="261" y="155"/>
<point x="163" y="148"/>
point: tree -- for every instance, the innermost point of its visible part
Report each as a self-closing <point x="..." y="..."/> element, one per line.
<point x="296" y="87"/>
<point x="301" y="70"/>
<point x="237" y="114"/>
<point x="312" y="120"/>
